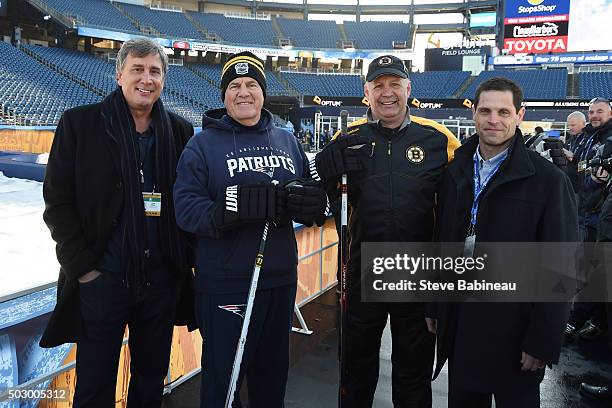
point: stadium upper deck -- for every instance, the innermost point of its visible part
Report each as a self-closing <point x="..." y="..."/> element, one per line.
<point x="275" y="29"/>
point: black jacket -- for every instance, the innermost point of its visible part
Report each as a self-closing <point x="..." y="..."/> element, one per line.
<point x="83" y="194"/>
<point x="575" y="144"/>
<point x="592" y="195"/>
<point x="528" y="200"/>
<point x="392" y="198"/>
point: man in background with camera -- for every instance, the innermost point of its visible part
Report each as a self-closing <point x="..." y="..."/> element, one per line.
<point x="587" y="320"/>
<point x="600" y="114"/>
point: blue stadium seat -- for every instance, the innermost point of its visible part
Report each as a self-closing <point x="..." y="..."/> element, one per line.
<point x="326" y="84"/>
<point x="40" y="94"/>
<point x="310" y="34"/>
<point x="35" y="92"/>
<point x="437" y="84"/>
<point x="99" y="13"/>
<point x="594" y="84"/>
<point x="376" y="34"/>
<point x="237" y="30"/>
<point x="536" y="83"/>
<point x="166" y="22"/>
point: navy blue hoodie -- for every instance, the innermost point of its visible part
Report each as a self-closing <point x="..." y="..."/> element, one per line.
<point x="223" y="154"/>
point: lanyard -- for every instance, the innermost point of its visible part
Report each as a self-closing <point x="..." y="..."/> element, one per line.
<point x="479" y="187"/>
<point x="585" y="153"/>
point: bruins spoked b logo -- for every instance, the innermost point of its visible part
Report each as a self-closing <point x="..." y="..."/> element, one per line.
<point x="415" y="154"/>
<point x="384" y="61"/>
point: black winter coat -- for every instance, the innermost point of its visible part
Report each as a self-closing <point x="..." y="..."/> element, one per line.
<point x="83" y="194"/>
<point x="528" y="200"/>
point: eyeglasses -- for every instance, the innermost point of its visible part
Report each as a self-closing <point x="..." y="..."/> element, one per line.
<point x="599" y="99"/>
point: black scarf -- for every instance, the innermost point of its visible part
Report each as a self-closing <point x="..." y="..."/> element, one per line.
<point x="121" y="129"/>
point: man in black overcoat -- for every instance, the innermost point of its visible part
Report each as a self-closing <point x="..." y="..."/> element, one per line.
<point x="501" y="349"/>
<point x="123" y="260"/>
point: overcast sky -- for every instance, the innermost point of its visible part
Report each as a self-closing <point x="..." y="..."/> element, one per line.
<point x="589" y="26"/>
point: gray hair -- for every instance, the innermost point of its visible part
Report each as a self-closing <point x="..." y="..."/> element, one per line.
<point x="578" y="115"/>
<point x="139" y="48"/>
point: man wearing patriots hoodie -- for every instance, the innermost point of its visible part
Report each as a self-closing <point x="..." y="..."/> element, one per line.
<point x="232" y="177"/>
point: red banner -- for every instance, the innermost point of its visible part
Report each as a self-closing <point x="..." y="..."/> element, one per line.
<point x="539" y="19"/>
<point x="181" y="45"/>
<point x="536" y="45"/>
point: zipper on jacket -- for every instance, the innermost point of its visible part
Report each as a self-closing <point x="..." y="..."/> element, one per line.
<point x="391" y="211"/>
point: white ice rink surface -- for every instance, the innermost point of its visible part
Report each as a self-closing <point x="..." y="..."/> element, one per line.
<point x="27" y="252"/>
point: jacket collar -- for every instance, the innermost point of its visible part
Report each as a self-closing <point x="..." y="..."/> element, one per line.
<point x="598" y="132"/>
<point x="372" y="120"/>
<point x="217" y="118"/>
<point x="518" y="165"/>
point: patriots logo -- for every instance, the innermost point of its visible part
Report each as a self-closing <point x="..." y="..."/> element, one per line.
<point x="266" y="170"/>
<point x="238" y="310"/>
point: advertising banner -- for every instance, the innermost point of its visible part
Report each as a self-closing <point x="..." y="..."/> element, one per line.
<point x="524" y="9"/>
<point x="594" y="58"/>
<point x="536" y="26"/>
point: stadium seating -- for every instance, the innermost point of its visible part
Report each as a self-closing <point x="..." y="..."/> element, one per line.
<point x="210" y="72"/>
<point x="594" y="84"/>
<point x="34" y="92"/>
<point x="39" y="94"/>
<point x="170" y="23"/>
<point x="325" y="84"/>
<point x="310" y="34"/>
<point x="275" y="87"/>
<point x="100" y="13"/>
<point x="536" y="84"/>
<point x="184" y="82"/>
<point x="98" y="73"/>
<point x="303" y="33"/>
<point x="237" y="30"/>
<point x="437" y="84"/>
<point x="376" y="34"/>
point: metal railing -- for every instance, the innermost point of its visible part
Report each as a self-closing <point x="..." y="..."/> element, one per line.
<point x="170" y="384"/>
<point x="257" y="16"/>
<point x="595" y="68"/>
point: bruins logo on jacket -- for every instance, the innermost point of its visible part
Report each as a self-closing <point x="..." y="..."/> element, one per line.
<point x="415" y="154"/>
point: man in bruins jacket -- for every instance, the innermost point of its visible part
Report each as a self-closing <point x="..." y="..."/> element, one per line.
<point x="394" y="163"/>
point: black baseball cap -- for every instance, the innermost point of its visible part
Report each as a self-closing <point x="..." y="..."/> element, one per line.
<point x="386" y="64"/>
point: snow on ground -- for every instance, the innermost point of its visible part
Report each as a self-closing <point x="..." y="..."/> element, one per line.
<point x="27" y="252"/>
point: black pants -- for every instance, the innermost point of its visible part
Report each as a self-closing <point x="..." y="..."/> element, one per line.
<point x="266" y="356"/>
<point x="106" y="308"/>
<point x="411" y="358"/>
<point x="583" y="311"/>
<point x="529" y="398"/>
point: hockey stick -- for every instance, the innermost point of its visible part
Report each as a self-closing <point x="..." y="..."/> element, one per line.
<point x="343" y="271"/>
<point x="229" y="399"/>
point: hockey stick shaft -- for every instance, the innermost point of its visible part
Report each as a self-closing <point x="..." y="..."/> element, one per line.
<point x="229" y="399"/>
<point x="343" y="265"/>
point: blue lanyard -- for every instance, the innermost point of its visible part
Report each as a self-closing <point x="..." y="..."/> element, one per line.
<point x="479" y="187"/>
<point x="585" y="153"/>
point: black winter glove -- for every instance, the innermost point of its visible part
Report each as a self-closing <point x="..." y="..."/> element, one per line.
<point x="306" y="201"/>
<point x="554" y="147"/>
<point x="340" y="156"/>
<point x="246" y="204"/>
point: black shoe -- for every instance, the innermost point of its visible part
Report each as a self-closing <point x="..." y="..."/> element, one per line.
<point x="591" y="331"/>
<point x="595" y="392"/>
